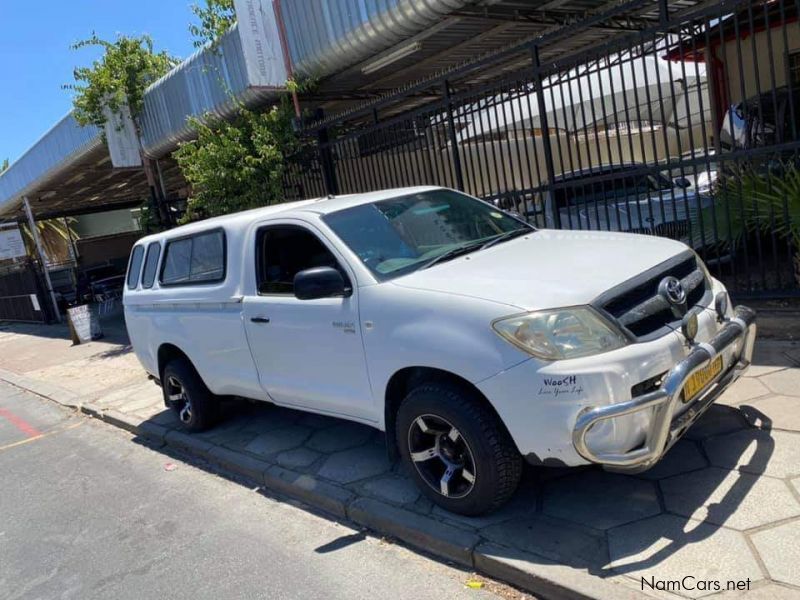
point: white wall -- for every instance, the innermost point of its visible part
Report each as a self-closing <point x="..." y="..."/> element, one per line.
<point x="748" y="72"/>
<point x="497" y="166"/>
<point x="105" y="223"/>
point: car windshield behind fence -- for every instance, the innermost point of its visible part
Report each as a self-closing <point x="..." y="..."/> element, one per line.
<point x="399" y="235"/>
<point x="619" y="185"/>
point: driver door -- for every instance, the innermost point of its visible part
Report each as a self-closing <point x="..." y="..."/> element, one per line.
<point x="308" y="353"/>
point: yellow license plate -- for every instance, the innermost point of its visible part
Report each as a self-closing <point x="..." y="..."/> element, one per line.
<point x="700" y="379"/>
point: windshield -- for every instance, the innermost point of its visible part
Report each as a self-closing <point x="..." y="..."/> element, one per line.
<point x="621" y="187"/>
<point x="396" y="236"/>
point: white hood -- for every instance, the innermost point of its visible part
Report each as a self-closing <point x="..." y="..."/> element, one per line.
<point x="546" y="269"/>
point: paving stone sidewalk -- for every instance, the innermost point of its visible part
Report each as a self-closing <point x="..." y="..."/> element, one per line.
<point x="724" y="505"/>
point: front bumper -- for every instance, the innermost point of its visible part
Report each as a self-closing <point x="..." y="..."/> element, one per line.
<point x="665" y="428"/>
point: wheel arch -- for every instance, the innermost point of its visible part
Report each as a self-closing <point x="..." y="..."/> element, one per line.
<point x="406" y="379"/>
<point x="168" y="352"/>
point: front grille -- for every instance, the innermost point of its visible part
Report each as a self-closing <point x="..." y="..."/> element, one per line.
<point x="676" y="230"/>
<point x="638" y="307"/>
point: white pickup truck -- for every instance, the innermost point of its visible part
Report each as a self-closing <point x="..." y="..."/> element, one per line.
<point x="472" y="339"/>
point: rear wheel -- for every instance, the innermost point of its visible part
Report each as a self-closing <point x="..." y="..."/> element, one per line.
<point x="197" y="408"/>
<point x="456" y="449"/>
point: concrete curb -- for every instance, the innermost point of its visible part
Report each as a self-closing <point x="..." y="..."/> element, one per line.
<point x="249" y="467"/>
<point x="57" y="394"/>
<point x="539" y="576"/>
<point x="415" y="529"/>
<point x="547" y="578"/>
<point x="319" y="494"/>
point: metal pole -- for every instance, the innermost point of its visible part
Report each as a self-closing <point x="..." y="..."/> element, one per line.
<point x="326" y="162"/>
<point x="545" y="129"/>
<point x="42" y="260"/>
<point x="287" y="58"/>
<point x="451" y="125"/>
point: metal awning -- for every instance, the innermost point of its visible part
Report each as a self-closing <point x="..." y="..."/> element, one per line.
<point x="480" y="43"/>
<point x="68" y="170"/>
<point x="91" y="184"/>
<point x="373" y="56"/>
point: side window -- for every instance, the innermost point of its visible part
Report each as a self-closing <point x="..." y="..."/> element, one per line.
<point x="284" y="251"/>
<point x="196" y="259"/>
<point x="208" y="257"/>
<point x="150" y="264"/>
<point x="135" y="266"/>
<point x="177" y="262"/>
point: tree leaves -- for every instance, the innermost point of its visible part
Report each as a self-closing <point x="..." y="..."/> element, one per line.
<point x="238" y="164"/>
<point x="216" y="17"/>
<point x="128" y="65"/>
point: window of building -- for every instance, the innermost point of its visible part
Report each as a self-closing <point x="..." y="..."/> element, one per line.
<point x="195" y="259"/>
<point x="794" y="68"/>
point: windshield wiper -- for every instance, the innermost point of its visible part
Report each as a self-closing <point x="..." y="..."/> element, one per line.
<point x="459" y="250"/>
<point x="505" y="236"/>
<point x="452" y="253"/>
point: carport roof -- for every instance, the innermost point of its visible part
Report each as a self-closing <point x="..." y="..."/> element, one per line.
<point x="87" y="183"/>
<point x="479" y="43"/>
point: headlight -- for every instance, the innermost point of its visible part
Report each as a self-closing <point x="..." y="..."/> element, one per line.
<point x="560" y="333"/>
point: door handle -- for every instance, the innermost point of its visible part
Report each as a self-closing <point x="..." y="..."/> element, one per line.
<point x="259" y="319"/>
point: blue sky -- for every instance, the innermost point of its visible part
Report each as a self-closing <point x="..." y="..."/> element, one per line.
<point x="36" y="59"/>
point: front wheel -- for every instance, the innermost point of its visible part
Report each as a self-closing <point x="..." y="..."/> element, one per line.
<point x="456" y="449"/>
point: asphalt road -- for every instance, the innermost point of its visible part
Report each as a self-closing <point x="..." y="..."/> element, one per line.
<point x="87" y="512"/>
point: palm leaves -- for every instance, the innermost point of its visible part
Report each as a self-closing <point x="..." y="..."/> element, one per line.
<point x="765" y="201"/>
<point x="55" y="235"/>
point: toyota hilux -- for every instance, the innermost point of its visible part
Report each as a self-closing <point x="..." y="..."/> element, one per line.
<point x="474" y="340"/>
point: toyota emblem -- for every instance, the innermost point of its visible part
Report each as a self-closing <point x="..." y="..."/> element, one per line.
<point x="672" y="290"/>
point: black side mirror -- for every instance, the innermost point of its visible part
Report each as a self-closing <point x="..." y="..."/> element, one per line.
<point x="683" y="182"/>
<point x="320" y="282"/>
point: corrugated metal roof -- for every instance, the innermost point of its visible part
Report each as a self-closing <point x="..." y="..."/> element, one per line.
<point x="211" y="81"/>
<point x="50" y="156"/>
<point x="323" y="36"/>
<point x="328" y="35"/>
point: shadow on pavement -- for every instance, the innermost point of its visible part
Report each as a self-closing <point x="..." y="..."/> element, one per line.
<point x="707" y="487"/>
<point x="562" y="515"/>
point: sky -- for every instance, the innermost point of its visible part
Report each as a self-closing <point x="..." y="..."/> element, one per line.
<point x="36" y="59"/>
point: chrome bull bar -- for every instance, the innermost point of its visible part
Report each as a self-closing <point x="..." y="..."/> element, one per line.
<point x="663" y="430"/>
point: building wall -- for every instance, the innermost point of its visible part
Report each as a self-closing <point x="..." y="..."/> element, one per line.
<point x="506" y="165"/>
<point x="753" y="74"/>
<point x="105" y="223"/>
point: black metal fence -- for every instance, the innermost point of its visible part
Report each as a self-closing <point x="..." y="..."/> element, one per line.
<point x="22" y="295"/>
<point x="685" y="126"/>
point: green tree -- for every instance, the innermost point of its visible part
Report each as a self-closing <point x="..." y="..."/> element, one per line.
<point x="238" y="164"/>
<point x="4" y="165"/>
<point x="216" y="17"/>
<point x="128" y="65"/>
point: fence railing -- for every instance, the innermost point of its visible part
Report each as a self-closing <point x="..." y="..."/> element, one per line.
<point x="22" y="295"/>
<point x="685" y="128"/>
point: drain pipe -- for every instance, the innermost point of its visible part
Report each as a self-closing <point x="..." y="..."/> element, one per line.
<point x="287" y="59"/>
<point x="42" y="259"/>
